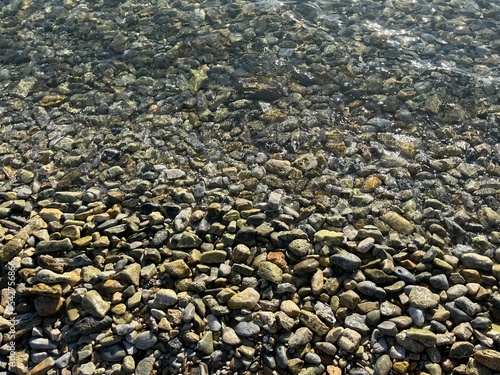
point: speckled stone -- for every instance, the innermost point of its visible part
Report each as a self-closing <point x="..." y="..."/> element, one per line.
<point x="422" y="297"/>
<point x="349" y="340"/>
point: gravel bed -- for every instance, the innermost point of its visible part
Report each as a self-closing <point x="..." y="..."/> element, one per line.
<point x="250" y="187"/>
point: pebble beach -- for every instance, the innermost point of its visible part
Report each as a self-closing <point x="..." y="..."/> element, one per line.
<point x="250" y="187"/>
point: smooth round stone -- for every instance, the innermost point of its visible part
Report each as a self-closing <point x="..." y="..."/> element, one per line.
<point x="312" y="358"/>
<point x="346" y="261"/>
<point x="328" y="237"/>
<point x="365" y="245"/>
<point x="48" y="306"/>
<point x="421" y="335"/>
<point x="41" y="343"/>
<point x="358" y="323"/>
<point x="401" y="367"/>
<point x="145" y="340"/>
<point x="489" y="358"/>
<point x="417" y="315"/>
<point x="439" y="282"/>
<point x="213" y="257"/>
<point x="422" y="297"/>
<point x="481" y="323"/>
<point x="325" y="312"/>
<point x="64" y="360"/>
<point x="350" y="299"/>
<point x="390" y="309"/>
<point x="467" y="306"/>
<point x="213" y="323"/>
<point x="349" y="340"/>
<point x="306" y="266"/>
<point x="206" y="343"/>
<point x="189" y="312"/>
<point x="290" y="308"/>
<point x="225" y="269"/>
<point x="398" y="222"/>
<point x="300" y="247"/>
<point x="404" y="275"/>
<point x="123" y="329"/>
<point x="113" y="353"/>
<point x="281" y="356"/>
<point x="87" y="369"/>
<point x="247" y="329"/>
<point x="145" y="366"/>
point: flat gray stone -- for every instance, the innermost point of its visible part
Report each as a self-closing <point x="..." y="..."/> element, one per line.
<point x="145" y="340"/>
<point x="113" y="353"/>
<point x="346" y="261"/>
<point x="247" y="329"/>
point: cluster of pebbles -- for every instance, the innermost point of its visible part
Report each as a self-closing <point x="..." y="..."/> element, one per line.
<point x="250" y="187"/>
<point x="110" y="283"/>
